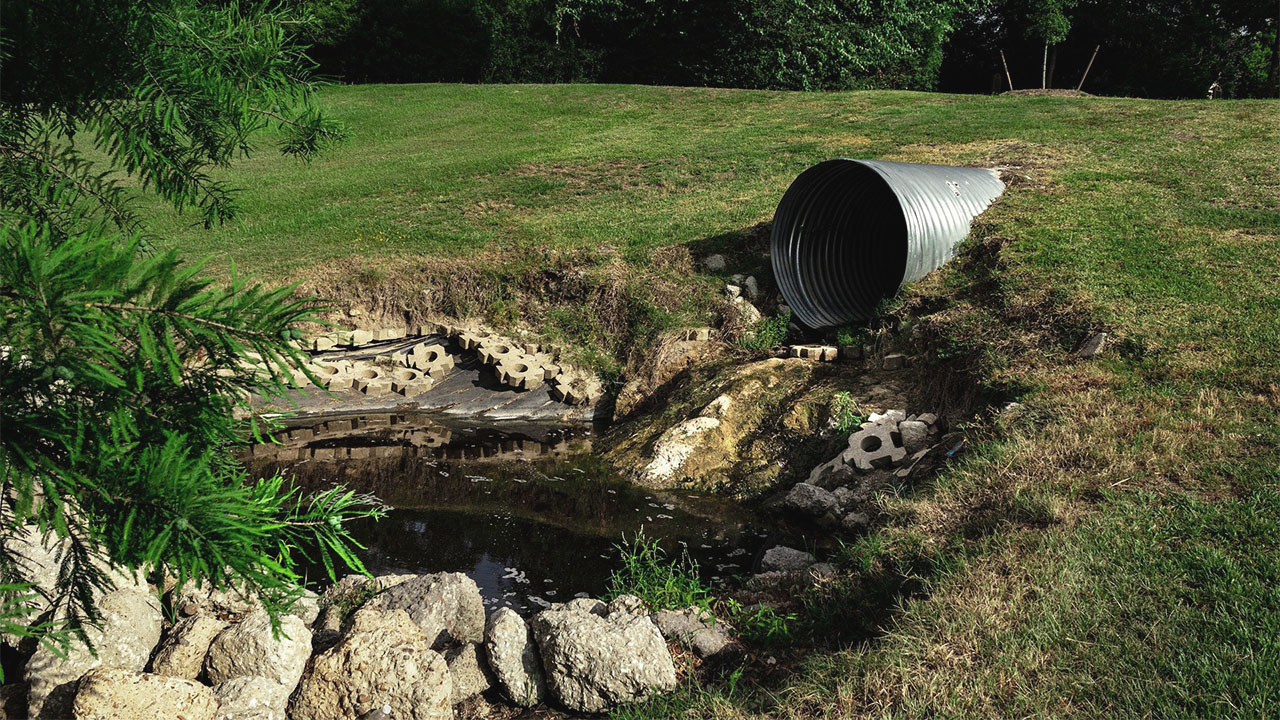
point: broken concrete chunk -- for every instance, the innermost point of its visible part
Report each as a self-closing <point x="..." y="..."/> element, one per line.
<point x="895" y="361"/>
<point x="914" y="435"/>
<point x="1092" y="345"/>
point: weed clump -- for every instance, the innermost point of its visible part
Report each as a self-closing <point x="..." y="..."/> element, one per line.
<point x="769" y="333"/>
<point x="649" y="574"/>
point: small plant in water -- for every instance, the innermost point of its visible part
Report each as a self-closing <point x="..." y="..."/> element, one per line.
<point x="768" y="333"/>
<point x="663" y="583"/>
<point x="846" y="412"/>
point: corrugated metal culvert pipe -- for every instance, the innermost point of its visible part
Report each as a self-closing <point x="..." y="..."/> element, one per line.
<point x="849" y="233"/>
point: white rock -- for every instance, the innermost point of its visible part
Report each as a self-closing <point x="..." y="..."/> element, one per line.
<point x="384" y="664"/>
<point x="183" y="650"/>
<point x="695" y="629"/>
<point x="447" y="606"/>
<point x="249" y="648"/>
<point x="675" y="446"/>
<point x="251" y="698"/>
<point x="115" y="694"/>
<point x="594" y="663"/>
<point x="129" y="631"/>
<point x="751" y="288"/>
<point x="513" y="656"/>
<point x="914" y="435"/>
<point x="468" y="672"/>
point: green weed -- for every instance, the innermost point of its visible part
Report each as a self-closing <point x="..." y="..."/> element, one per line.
<point x="663" y="583"/>
<point x="767" y="334"/>
<point x="846" y="412"/>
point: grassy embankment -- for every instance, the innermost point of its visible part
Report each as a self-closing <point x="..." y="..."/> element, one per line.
<point x="1113" y="549"/>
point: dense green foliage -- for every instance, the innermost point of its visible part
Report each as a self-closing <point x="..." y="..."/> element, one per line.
<point x="1169" y="48"/>
<point x="796" y="44"/>
<point x="121" y="368"/>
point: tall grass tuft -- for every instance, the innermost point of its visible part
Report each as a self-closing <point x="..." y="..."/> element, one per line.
<point x="662" y="582"/>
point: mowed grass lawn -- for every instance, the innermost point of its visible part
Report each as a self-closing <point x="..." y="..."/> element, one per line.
<point x="1112" y="550"/>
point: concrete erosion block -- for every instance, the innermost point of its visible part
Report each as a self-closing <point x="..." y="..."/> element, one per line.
<point x="895" y="361"/>
<point x="821" y="353"/>
<point x="492" y="353"/>
<point x="875" y="446"/>
<point x="576" y="389"/>
<point x="388" y="333"/>
<point x="519" y="372"/>
<point x="472" y="339"/>
<point x="324" y="342"/>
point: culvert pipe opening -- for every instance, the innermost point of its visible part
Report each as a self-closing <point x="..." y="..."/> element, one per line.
<point x="850" y="233"/>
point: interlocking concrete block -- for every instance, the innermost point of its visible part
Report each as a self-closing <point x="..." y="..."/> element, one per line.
<point x="519" y="372"/>
<point x="406" y="381"/>
<point x="821" y="353"/>
<point x="433" y="360"/>
<point x="472" y="339"/>
<point x="850" y="353"/>
<point x="876" y="445"/>
<point x="324" y="342"/>
<point x="388" y="333"/>
<point x="701" y="334"/>
<point x="494" y="352"/>
<point x="576" y="389"/>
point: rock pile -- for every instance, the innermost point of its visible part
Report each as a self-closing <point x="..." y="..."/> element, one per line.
<point x="404" y="646"/>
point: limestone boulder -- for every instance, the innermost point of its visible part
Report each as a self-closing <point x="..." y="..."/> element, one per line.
<point x="251" y="648"/>
<point x="697" y="630"/>
<point x="513" y="656"/>
<point x="626" y="604"/>
<point x="468" y="671"/>
<point x="114" y="694"/>
<point x="594" y="663"/>
<point x="129" y="630"/>
<point x="447" y="606"/>
<point x="250" y="697"/>
<point x="384" y="664"/>
<point x="182" y="652"/>
<point x="36" y="557"/>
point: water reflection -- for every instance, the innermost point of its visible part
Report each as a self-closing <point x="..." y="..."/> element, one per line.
<point x="527" y="511"/>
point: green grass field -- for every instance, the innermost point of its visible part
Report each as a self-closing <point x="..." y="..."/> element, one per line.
<point x="1112" y="549"/>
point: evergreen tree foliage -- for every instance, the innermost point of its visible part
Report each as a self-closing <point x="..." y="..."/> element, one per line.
<point x="120" y="367"/>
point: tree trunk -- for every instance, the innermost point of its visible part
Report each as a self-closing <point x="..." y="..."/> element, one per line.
<point x="1053" y="63"/>
<point x="1044" y="68"/>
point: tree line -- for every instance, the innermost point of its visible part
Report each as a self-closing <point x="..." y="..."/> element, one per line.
<point x="1156" y="48"/>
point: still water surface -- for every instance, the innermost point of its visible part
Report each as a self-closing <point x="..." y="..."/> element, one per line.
<point x="527" y="511"/>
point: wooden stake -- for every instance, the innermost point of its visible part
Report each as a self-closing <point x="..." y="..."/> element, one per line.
<point x="1044" y="68"/>
<point x="1006" y="71"/>
<point x="1088" y="68"/>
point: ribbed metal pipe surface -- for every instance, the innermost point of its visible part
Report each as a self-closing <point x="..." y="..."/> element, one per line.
<point x="849" y="233"/>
